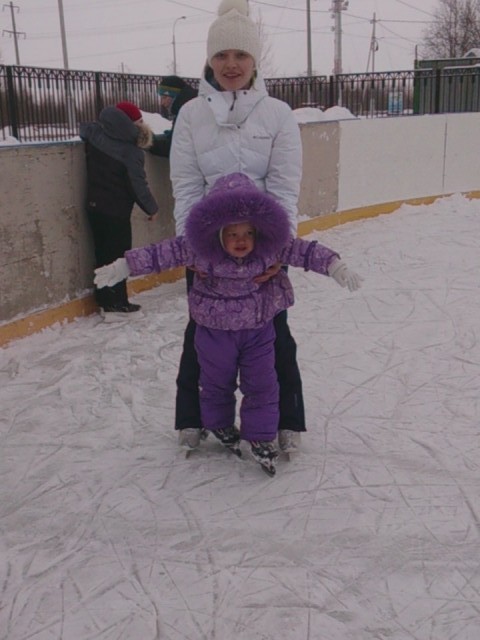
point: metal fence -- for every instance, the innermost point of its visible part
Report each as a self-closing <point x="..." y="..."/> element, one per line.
<point x="39" y="104"/>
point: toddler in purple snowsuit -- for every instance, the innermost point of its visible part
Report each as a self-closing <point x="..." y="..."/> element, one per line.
<point x="234" y="234"/>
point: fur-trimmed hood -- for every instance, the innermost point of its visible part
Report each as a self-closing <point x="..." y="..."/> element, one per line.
<point x="145" y="135"/>
<point x="115" y="124"/>
<point x="235" y="198"/>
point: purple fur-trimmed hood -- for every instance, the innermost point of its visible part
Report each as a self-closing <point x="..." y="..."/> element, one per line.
<point x="235" y="198"/>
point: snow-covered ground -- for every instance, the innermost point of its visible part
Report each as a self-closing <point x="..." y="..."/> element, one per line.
<point x="370" y="533"/>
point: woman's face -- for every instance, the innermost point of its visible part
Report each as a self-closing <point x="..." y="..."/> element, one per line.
<point x="233" y="69"/>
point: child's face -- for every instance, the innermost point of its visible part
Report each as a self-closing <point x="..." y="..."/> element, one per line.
<point x="165" y="105"/>
<point x="238" y="239"/>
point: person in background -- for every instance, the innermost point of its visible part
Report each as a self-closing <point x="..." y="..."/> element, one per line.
<point x="174" y="92"/>
<point x="231" y="236"/>
<point x="234" y="125"/>
<point x="116" y="180"/>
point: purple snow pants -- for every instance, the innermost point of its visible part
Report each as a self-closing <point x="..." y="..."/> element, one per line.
<point x="248" y="354"/>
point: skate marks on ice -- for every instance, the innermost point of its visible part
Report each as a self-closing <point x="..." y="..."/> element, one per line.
<point x="406" y="412"/>
<point x="369" y="533"/>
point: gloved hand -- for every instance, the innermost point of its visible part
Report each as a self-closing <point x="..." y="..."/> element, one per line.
<point x="111" y="273"/>
<point x="344" y="276"/>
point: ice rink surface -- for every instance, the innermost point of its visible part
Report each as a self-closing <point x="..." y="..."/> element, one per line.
<point x="370" y="533"/>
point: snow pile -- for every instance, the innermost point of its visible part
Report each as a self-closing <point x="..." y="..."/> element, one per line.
<point x="312" y="114"/>
<point x="156" y="122"/>
<point x="7" y="140"/>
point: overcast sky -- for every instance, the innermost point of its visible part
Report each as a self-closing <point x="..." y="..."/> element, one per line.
<point x="136" y="35"/>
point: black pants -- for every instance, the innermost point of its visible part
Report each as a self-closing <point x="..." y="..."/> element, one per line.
<point x="292" y="412"/>
<point x="111" y="238"/>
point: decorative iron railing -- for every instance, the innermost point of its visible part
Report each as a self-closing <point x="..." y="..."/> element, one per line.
<point x="38" y="105"/>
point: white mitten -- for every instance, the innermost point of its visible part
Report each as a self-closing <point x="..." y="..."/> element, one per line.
<point x="344" y="276"/>
<point x="111" y="273"/>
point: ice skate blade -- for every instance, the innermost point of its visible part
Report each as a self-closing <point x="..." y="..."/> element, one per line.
<point x="269" y="470"/>
<point x="116" y="317"/>
<point x="236" y="451"/>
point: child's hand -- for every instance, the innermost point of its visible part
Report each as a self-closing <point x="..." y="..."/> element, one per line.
<point x="339" y="271"/>
<point x="201" y="274"/>
<point x="269" y="273"/>
<point x="111" y="273"/>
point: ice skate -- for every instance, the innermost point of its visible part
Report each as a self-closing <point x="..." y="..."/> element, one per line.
<point x="266" y="455"/>
<point x="121" y="313"/>
<point x="230" y="438"/>
<point x="288" y="441"/>
<point x="189" y="439"/>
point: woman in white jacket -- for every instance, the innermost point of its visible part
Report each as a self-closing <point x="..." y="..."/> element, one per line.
<point x="234" y="126"/>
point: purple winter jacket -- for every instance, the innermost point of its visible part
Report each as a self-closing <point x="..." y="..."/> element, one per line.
<point x="226" y="297"/>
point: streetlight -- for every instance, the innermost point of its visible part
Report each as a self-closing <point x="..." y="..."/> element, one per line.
<point x="173" y="44"/>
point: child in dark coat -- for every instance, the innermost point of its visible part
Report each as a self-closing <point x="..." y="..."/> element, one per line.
<point x="232" y="236"/>
<point x="116" y="180"/>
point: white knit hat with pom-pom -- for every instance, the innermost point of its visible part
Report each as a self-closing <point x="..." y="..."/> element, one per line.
<point x="233" y="29"/>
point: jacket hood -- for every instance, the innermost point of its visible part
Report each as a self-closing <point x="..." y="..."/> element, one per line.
<point x="185" y="95"/>
<point x="235" y="198"/>
<point x="231" y="107"/>
<point x="116" y="124"/>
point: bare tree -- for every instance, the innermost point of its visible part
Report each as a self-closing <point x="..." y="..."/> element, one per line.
<point x="455" y="29"/>
<point x="266" y="57"/>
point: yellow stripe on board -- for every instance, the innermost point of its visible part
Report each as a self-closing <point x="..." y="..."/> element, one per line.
<point x="351" y="215"/>
<point x="76" y="308"/>
<point x="42" y="319"/>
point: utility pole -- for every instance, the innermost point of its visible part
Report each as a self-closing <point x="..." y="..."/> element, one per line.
<point x="309" y="53"/>
<point x="371" y="56"/>
<point x="337" y="8"/>
<point x="70" y="105"/>
<point x="13" y="31"/>
<point x="62" y="34"/>
<point x="373" y="44"/>
<point x="309" y="41"/>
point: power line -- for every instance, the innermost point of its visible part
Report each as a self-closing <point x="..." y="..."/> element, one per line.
<point x="397" y="35"/>
<point x="408" y="21"/>
<point x="189" y="6"/>
<point x="280" y="6"/>
<point x="411" y="6"/>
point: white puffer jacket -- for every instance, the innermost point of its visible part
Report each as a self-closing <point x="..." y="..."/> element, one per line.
<point x="222" y="132"/>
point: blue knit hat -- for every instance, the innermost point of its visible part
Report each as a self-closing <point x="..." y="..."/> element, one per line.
<point x="170" y="86"/>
